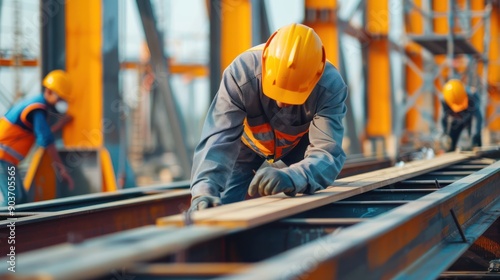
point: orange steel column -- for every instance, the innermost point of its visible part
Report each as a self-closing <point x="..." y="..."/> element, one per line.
<point x="477" y="38"/>
<point x="236" y="29"/>
<point x="321" y="16"/>
<point x="414" y="80"/>
<point x="493" y="108"/>
<point x="440" y="28"/>
<point x="379" y="113"/>
<point x="84" y="65"/>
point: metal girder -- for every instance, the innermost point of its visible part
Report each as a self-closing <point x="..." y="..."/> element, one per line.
<point x="113" y="108"/>
<point x="351" y="243"/>
<point x="418" y="240"/>
<point x="215" y="49"/>
<point x="260" y="22"/>
<point x="161" y="71"/>
<point x="53" y="37"/>
<point x="110" y="215"/>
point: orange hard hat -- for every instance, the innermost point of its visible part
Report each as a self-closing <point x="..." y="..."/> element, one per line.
<point x="59" y="82"/>
<point x="293" y="61"/>
<point x="455" y="95"/>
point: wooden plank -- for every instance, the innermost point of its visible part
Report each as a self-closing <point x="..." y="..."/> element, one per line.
<point x="267" y="209"/>
<point x="178" y="220"/>
<point x="187" y="269"/>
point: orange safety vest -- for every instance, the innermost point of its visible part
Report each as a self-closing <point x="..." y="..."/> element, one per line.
<point x="269" y="142"/>
<point x="16" y="141"/>
<point x="263" y="139"/>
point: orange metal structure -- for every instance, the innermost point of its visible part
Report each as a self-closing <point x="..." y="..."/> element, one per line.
<point x="492" y="110"/>
<point x="414" y="80"/>
<point x="236" y="31"/>
<point x="321" y="15"/>
<point x="379" y="112"/>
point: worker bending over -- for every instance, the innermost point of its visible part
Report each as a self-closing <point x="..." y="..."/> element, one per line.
<point x="25" y="123"/>
<point x="459" y="110"/>
<point x="281" y="100"/>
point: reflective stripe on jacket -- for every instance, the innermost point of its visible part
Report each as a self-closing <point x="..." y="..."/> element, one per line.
<point x="241" y="114"/>
<point x="16" y="131"/>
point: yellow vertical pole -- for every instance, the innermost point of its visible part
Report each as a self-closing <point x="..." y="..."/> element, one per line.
<point x="440" y="28"/>
<point x="379" y="113"/>
<point x="493" y="108"/>
<point x="321" y="16"/>
<point x="236" y="29"/>
<point x="414" y="81"/>
<point x="84" y="65"/>
<point x="477" y="38"/>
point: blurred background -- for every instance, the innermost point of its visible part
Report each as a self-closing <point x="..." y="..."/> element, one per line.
<point x="145" y="72"/>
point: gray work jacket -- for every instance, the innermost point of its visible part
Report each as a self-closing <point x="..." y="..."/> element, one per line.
<point x="240" y="93"/>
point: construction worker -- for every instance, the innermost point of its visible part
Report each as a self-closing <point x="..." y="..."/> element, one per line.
<point x="283" y="102"/>
<point x="26" y="123"/>
<point x="460" y="111"/>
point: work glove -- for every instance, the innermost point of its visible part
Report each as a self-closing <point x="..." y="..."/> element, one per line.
<point x="476" y="140"/>
<point x="203" y="202"/>
<point x="269" y="181"/>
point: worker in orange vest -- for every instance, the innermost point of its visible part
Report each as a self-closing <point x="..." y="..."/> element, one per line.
<point x="279" y="101"/>
<point x="25" y="124"/>
<point x="461" y="111"/>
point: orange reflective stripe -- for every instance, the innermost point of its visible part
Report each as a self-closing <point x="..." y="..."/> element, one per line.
<point x="257" y="129"/>
<point x="256" y="146"/>
<point x="5" y="156"/>
<point x="29" y="109"/>
<point x="268" y="142"/>
<point x="289" y="137"/>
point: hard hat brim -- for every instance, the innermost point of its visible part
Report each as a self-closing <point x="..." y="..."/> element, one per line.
<point x="285" y="96"/>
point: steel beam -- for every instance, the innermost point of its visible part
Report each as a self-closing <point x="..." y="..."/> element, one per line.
<point x="53" y="35"/>
<point x="78" y="224"/>
<point x="418" y="240"/>
<point x="215" y="46"/>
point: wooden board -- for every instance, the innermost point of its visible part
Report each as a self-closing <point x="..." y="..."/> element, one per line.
<point x="263" y="210"/>
<point x="188" y="269"/>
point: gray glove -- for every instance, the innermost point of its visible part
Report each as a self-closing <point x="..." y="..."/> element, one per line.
<point x="203" y="202"/>
<point x="269" y="181"/>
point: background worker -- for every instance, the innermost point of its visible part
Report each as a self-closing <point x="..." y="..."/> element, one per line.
<point x="460" y="111"/>
<point x="26" y="123"/>
<point x="278" y="101"/>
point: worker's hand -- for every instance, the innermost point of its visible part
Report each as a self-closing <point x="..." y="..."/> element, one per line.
<point x="67" y="178"/>
<point x="203" y="202"/>
<point x="269" y="181"/>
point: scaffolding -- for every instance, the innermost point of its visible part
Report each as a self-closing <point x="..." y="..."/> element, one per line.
<point x="442" y="40"/>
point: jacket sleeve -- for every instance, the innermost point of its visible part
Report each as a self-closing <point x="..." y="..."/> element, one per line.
<point x="217" y="151"/>
<point x="43" y="135"/>
<point x="324" y="158"/>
